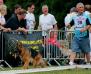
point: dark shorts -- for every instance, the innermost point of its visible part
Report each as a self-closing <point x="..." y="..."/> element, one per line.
<point x="80" y="45"/>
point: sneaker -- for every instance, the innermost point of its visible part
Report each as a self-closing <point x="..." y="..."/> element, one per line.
<point x="88" y="64"/>
<point x="71" y="63"/>
<point x="1" y="65"/>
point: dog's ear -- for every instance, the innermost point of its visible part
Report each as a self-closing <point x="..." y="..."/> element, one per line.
<point x="19" y="45"/>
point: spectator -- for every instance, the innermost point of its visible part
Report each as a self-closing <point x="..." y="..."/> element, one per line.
<point x="52" y="45"/>
<point x="69" y="16"/>
<point x="30" y="18"/>
<point x="17" y="22"/>
<point x="56" y="48"/>
<point x="88" y="12"/>
<point x="1" y="2"/>
<point x="80" y="41"/>
<point x="47" y="22"/>
<point x="87" y="9"/>
<point x="53" y="39"/>
<point x="17" y="8"/>
<point x="3" y="12"/>
<point x="70" y="28"/>
<point x="8" y="12"/>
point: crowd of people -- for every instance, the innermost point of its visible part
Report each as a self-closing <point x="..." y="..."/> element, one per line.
<point x="79" y="18"/>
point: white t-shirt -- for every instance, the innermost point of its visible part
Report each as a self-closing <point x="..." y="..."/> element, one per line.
<point x="68" y="18"/>
<point x="2" y="20"/>
<point x="47" y="21"/>
<point x="30" y="20"/>
<point x="87" y="12"/>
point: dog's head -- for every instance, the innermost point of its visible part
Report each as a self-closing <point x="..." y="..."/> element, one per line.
<point x="19" y="45"/>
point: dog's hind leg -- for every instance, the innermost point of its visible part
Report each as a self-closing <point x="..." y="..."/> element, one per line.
<point x="43" y="63"/>
<point x="34" y="63"/>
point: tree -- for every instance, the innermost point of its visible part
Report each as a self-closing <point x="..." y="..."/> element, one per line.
<point x="59" y="8"/>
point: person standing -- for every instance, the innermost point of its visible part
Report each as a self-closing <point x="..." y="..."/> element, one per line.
<point x="88" y="12"/>
<point x="17" y="22"/>
<point x="1" y="2"/>
<point x="80" y="41"/>
<point x="47" y="22"/>
<point x="3" y="12"/>
<point x="30" y="18"/>
<point x="17" y="8"/>
<point x="69" y="17"/>
<point x="69" y="28"/>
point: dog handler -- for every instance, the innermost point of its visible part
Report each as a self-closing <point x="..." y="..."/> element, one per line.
<point x="80" y="41"/>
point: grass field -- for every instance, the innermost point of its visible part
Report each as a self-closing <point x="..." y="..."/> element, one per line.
<point x="48" y="70"/>
<point x="74" y="71"/>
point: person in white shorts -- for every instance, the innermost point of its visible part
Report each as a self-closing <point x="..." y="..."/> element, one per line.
<point x="47" y="22"/>
<point x="30" y="18"/>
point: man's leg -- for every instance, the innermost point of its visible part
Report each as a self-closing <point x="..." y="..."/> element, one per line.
<point x="90" y="44"/>
<point x="75" y="48"/>
<point x="88" y="58"/>
<point x="72" y="57"/>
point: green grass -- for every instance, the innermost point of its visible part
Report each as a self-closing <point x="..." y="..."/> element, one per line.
<point x="14" y="68"/>
<point x="74" y="71"/>
<point x="69" y="71"/>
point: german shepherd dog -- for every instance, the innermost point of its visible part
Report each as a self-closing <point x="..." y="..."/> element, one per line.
<point x="27" y="58"/>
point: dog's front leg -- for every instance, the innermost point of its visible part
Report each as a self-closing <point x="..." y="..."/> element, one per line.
<point x="26" y="65"/>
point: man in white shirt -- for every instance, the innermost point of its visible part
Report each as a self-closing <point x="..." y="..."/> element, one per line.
<point x="30" y="18"/>
<point x="68" y="18"/>
<point x="47" y="21"/>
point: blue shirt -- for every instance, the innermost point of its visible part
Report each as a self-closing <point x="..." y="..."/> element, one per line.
<point x="80" y="21"/>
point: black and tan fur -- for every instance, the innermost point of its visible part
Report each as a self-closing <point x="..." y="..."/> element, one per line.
<point x="27" y="58"/>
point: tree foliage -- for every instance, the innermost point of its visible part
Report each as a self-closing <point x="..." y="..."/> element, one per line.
<point x="59" y="8"/>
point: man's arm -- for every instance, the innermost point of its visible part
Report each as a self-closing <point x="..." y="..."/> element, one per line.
<point x="55" y="27"/>
<point x="69" y="25"/>
<point x="87" y="27"/>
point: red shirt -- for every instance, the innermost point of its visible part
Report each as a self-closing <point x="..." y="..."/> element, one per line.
<point x="53" y="40"/>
